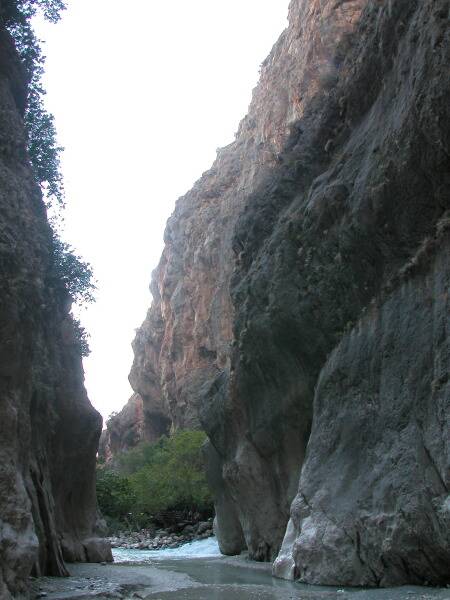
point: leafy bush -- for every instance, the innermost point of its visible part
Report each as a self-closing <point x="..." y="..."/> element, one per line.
<point x="73" y="272"/>
<point x="165" y="476"/>
<point x="114" y="494"/>
<point x="21" y="11"/>
<point x="82" y="338"/>
<point x="132" y="461"/>
<point x="173" y="476"/>
<point x="75" y="276"/>
<point x="43" y="149"/>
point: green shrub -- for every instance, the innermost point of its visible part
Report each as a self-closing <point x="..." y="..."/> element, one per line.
<point x="82" y="338"/>
<point x="73" y="275"/>
<point x="165" y="476"/>
<point x="132" y="461"/>
<point x="173" y="476"/>
<point x="43" y="148"/>
<point x="73" y="272"/>
<point x="114" y="494"/>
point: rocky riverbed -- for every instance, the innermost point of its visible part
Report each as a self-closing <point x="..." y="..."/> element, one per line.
<point x="160" y="539"/>
<point x="213" y="578"/>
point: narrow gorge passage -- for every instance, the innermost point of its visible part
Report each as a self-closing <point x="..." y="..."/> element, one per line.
<point x="287" y="434"/>
<point x="197" y="576"/>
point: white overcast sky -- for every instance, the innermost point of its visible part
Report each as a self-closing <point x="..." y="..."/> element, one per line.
<point x="143" y="92"/>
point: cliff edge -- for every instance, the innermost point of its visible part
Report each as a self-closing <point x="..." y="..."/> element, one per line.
<point x="301" y="305"/>
<point x="49" y="430"/>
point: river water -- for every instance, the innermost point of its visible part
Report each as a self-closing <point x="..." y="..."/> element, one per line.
<point x="197" y="571"/>
<point x="208" y="548"/>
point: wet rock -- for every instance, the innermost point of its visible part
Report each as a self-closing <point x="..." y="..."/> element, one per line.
<point x="49" y="430"/>
<point x="98" y="550"/>
<point x="227" y="526"/>
<point x="203" y="527"/>
<point x="150" y="540"/>
<point x="188" y="530"/>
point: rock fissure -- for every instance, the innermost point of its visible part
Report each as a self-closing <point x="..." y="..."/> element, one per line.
<point x="435" y="468"/>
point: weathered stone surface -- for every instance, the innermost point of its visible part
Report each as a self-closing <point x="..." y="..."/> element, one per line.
<point x="48" y="429"/>
<point x="373" y="504"/>
<point x="357" y="208"/>
<point x="129" y="427"/>
<point x="185" y="341"/>
<point x="227" y="527"/>
<point x="280" y="264"/>
<point x="97" y="550"/>
<point x="367" y="189"/>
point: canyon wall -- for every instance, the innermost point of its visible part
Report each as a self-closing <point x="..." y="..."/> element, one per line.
<point x="301" y="305"/>
<point x="129" y="427"/>
<point x="49" y="430"/>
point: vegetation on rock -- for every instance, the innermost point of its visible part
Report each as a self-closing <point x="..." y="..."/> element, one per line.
<point x="43" y="149"/>
<point x="154" y="478"/>
<point x="75" y="274"/>
<point x="44" y="153"/>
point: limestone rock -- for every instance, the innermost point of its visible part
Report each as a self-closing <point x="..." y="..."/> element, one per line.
<point x="372" y="507"/>
<point x="48" y="429"/>
<point x="129" y="427"/>
<point x="281" y="296"/>
<point x="97" y="550"/>
<point x="227" y="527"/>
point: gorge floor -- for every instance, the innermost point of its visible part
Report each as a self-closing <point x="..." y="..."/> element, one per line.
<point x="221" y="578"/>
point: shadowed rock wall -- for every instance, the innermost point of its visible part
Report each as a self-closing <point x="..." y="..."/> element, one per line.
<point x="128" y="428"/>
<point x="48" y="429"/>
<point x="279" y="313"/>
<point x="372" y="506"/>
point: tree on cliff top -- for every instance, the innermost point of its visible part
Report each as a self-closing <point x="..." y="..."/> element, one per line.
<point x="69" y="269"/>
<point x="43" y="148"/>
<point x="15" y="11"/>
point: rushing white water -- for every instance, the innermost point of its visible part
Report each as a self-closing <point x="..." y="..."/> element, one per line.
<point x="200" y="549"/>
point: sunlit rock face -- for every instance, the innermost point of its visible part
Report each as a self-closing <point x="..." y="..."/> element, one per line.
<point x="128" y="428"/>
<point x="301" y="302"/>
<point x="48" y="429"/>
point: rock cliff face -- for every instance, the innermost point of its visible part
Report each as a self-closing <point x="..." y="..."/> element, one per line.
<point x="301" y="307"/>
<point x="129" y="427"/>
<point x="372" y="506"/>
<point x="48" y="429"/>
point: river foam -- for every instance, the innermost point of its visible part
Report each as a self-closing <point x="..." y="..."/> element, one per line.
<point x="198" y="549"/>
